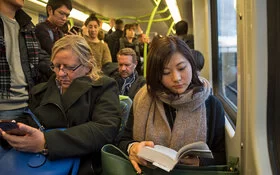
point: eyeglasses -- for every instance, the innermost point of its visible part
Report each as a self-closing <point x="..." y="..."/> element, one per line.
<point x="62" y="14"/>
<point x="65" y="69"/>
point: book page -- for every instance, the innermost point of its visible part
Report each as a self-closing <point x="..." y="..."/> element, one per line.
<point x="200" y="149"/>
<point x="167" y="151"/>
<point x="159" y="156"/>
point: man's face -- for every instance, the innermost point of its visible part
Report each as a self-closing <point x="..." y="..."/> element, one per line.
<point x="17" y="4"/>
<point x="59" y="16"/>
<point x="126" y="66"/>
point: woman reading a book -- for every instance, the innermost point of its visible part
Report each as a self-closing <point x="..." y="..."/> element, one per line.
<point x="175" y="108"/>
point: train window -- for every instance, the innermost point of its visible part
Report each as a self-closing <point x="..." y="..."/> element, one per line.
<point x="225" y="54"/>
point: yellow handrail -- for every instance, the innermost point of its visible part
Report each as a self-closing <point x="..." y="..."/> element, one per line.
<point x="148" y="33"/>
<point x="141" y="19"/>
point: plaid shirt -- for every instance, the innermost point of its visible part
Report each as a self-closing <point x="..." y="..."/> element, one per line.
<point x="32" y="46"/>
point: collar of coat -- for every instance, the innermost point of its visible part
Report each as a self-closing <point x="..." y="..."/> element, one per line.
<point x="78" y="87"/>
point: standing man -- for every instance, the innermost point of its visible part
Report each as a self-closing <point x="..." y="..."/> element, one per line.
<point x="22" y="62"/>
<point x="113" y="39"/>
<point x="49" y="32"/>
<point x="182" y="28"/>
<point x="127" y="77"/>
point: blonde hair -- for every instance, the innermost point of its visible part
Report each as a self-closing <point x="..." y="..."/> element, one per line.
<point x="80" y="47"/>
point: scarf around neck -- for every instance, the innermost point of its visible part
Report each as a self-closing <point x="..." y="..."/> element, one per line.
<point x="151" y="123"/>
<point x="127" y="82"/>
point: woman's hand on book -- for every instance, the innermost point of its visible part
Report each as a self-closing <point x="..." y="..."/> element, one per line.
<point x="134" y="159"/>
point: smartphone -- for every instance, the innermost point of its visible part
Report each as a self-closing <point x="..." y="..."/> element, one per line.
<point x="7" y="125"/>
<point x="11" y="127"/>
<point x="75" y="29"/>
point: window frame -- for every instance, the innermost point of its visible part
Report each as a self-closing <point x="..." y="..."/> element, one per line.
<point x="273" y="93"/>
<point x="229" y="109"/>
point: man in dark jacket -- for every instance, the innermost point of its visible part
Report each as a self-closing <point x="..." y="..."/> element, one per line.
<point x="113" y="39"/>
<point x="182" y="28"/>
<point x="127" y="77"/>
<point x="22" y="62"/>
<point x="48" y="32"/>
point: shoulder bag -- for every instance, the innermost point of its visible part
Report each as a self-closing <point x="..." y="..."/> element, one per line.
<point x="24" y="163"/>
<point x="115" y="162"/>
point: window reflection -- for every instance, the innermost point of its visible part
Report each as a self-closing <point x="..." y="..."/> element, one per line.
<point x="227" y="43"/>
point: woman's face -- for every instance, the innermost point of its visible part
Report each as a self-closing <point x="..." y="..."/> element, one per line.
<point x="67" y="67"/>
<point x="93" y="29"/>
<point x="177" y="74"/>
<point x="130" y="33"/>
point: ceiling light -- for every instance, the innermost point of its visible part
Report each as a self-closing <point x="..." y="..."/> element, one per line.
<point x="78" y="15"/>
<point x="73" y="14"/>
<point x="174" y="10"/>
<point x="105" y="27"/>
<point x="39" y="3"/>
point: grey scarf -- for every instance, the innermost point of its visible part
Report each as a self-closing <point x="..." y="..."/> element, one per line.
<point x="128" y="82"/>
<point x="150" y="121"/>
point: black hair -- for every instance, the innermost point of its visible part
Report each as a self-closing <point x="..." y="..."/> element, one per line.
<point x="119" y="24"/>
<point x="181" y="28"/>
<point x="92" y="17"/>
<point x="127" y="27"/>
<point x="199" y="59"/>
<point x="55" y="4"/>
<point x="160" y="53"/>
<point x="119" y="21"/>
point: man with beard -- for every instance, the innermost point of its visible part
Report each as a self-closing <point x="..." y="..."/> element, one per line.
<point x="127" y="77"/>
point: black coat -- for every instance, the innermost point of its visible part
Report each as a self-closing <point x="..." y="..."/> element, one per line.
<point x="90" y="110"/>
<point x="46" y="36"/>
<point x="112" y="40"/>
<point x="36" y="73"/>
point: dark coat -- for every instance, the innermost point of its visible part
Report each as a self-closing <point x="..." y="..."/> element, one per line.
<point x="36" y="73"/>
<point x="112" y="40"/>
<point x="89" y="109"/>
<point x="215" y="132"/>
<point x="46" y="36"/>
<point x="136" y="85"/>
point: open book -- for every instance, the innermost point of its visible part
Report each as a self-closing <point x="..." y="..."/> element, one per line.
<point x="166" y="158"/>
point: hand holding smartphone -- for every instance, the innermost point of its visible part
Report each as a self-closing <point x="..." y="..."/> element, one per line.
<point x="7" y="125"/>
<point x="11" y="127"/>
<point x="75" y="30"/>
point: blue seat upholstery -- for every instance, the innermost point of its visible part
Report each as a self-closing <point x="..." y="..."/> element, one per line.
<point x="125" y="109"/>
<point x="125" y="105"/>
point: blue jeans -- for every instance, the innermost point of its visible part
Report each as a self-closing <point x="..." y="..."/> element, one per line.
<point x="11" y="114"/>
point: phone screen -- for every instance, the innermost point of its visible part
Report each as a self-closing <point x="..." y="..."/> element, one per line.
<point x="7" y="125"/>
<point x="75" y="29"/>
<point x="11" y="127"/>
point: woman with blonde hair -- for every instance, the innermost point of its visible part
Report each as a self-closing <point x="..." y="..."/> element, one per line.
<point x="77" y="98"/>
